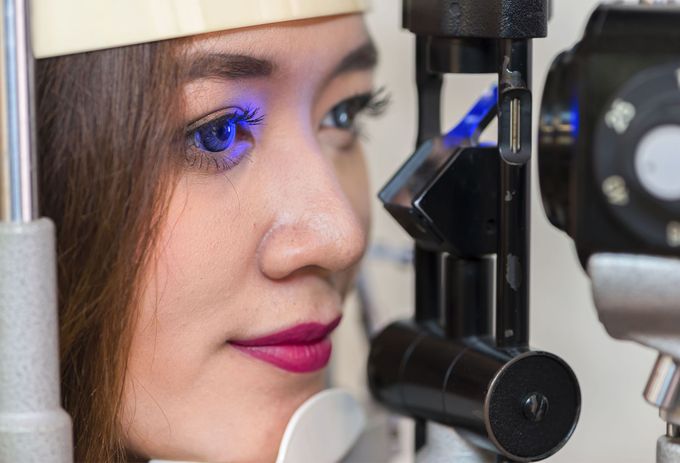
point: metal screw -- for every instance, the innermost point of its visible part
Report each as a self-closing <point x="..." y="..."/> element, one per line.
<point x="673" y="234"/>
<point x="616" y="190"/>
<point x="620" y="116"/>
<point x="535" y="407"/>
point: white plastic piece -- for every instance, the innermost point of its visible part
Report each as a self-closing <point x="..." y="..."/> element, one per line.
<point x="322" y="430"/>
<point x="62" y="27"/>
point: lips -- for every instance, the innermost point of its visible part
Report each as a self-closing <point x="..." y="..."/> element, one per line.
<point x="303" y="348"/>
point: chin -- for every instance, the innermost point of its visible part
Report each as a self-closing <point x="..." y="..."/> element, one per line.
<point x="260" y="443"/>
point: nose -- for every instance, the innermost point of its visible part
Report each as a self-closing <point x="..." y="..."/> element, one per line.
<point x="314" y="223"/>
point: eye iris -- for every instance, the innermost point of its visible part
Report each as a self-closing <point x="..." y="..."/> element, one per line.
<point x="342" y="115"/>
<point x="217" y="136"/>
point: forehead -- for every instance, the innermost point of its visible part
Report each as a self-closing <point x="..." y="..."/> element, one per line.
<point x="295" y="46"/>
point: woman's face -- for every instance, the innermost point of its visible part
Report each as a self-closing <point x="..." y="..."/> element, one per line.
<point x="260" y="243"/>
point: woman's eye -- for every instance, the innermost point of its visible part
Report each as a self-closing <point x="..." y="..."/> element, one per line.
<point x="216" y="136"/>
<point x="220" y="141"/>
<point x="344" y="115"/>
<point x="340" y="127"/>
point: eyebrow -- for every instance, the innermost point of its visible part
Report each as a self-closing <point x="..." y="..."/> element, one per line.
<point x="226" y="66"/>
<point x="362" y="58"/>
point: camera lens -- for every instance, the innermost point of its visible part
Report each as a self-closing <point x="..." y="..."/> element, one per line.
<point x="558" y="131"/>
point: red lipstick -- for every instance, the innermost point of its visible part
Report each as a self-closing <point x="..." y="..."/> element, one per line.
<point x="302" y="348"/>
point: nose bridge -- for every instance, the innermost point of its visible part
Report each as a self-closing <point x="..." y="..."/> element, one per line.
<point x="314" y="221"/>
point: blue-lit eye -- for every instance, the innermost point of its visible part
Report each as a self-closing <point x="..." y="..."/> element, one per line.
<point x="217" y="135"/>
<point x="221" y="140"/>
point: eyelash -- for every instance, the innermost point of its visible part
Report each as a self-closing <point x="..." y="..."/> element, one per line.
<point x="233" y="123"/>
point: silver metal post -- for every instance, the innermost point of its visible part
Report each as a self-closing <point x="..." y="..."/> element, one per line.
<point x="33" y="426"/>
<point x="16" y="159"/>
<point x="663" y="387"/>
<point x="657" y="2"/>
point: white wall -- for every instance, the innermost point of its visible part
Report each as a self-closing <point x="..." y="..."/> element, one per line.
<point x="616" y="424"/>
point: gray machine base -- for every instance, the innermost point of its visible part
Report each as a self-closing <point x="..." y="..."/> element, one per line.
<point x="668" y="450"/>
<point x="33" y="426"/>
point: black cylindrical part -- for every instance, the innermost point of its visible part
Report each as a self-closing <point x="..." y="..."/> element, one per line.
<point x="467" y="296"/>
<point x="520" y="19"/>
<point x="521" y="404"/>
<point x="427" y="284"/>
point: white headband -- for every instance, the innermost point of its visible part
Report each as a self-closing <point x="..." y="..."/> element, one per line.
<point x="62" y="27"/>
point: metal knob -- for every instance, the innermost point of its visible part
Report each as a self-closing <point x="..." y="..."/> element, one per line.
<point x="663" y="388"/>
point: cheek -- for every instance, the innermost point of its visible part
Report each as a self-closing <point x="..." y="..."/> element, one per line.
<point x="179" y="381"/>
<point x="200" y="261"/>
<point x="206" y="240"/>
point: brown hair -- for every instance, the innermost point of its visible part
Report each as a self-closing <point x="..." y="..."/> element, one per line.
<point x="108" y="121"/>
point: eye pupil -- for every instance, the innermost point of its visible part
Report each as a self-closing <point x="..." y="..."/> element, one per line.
<point x="342" y="117"/>
<point x="222" y="132"/>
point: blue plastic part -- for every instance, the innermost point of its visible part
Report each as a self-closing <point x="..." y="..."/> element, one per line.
<point x="469" y="127"/>
<point x="574" y="116"/>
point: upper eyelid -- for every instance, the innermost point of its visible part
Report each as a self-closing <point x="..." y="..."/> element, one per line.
<point x="379" y="98"/>
<point x="231" y="110"/>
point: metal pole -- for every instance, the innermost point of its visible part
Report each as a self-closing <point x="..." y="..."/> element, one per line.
<point x="33" y="426"/>
<point x="16" y="159"/>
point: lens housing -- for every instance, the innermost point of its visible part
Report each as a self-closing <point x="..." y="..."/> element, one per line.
<point x="604" y="97"/>
<point x="557" y="137"/>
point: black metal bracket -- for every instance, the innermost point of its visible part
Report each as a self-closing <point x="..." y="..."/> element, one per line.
<point x="462" y="203"/>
